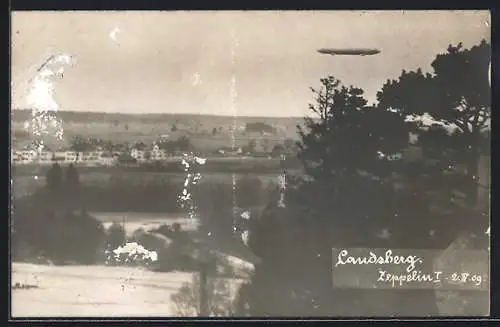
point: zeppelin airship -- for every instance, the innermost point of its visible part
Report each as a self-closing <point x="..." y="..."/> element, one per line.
<point x="349" y="52"/>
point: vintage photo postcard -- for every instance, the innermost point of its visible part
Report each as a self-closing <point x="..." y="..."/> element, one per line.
<point x="250" y="164"/>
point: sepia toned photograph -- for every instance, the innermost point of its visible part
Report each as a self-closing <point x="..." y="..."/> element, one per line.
<point x="250" y="164"/>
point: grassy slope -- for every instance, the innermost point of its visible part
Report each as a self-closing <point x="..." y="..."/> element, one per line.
<point x="147" y="127"/>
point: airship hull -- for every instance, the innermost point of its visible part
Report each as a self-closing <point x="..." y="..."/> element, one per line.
<point x="349" y="52"/>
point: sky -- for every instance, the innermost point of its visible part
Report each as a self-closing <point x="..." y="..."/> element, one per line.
<point x="226" y="63"/>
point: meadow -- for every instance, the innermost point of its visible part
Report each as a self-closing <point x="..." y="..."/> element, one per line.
<point x="25" y="181"/>
<point x="103" y="291"/>
<point x="246" y="164"/>
<point x="205" y="132"/>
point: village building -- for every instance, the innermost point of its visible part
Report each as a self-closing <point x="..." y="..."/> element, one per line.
<point x="90" y="158"/>
<point x="137" y="154"/>
<point x="71" y="157"/>
<point x="158" y="154"/>
<point x="45" y="158"/>
<point x="108" y="159"/>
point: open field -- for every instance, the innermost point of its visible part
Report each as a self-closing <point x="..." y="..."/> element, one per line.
<point x="28" y="178"/>
<point x="165" y="119"/>
<point x="148" y="127"/>
<point x="173" y="165"/>
<point x="23" y="185"/>
<point x="102" y="291"/>
<point x="96" y="291"/>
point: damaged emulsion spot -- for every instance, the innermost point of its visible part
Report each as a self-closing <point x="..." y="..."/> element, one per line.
<point x="44" y="123"/>
<point x="282" y="187"/>
<point x="234" y="94"/>
<point x="189" y="161"/>
<point x="113" y="34"/>
<point x="196" y="79"/>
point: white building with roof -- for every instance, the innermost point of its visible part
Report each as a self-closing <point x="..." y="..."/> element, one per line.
<point x="158" y="154"/>
<point x="137" y="154"/>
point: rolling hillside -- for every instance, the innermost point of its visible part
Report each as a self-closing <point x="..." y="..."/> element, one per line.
<point x="205" y="130"/>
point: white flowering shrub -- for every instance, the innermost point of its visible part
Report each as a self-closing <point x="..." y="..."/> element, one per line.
<point x="131" y="253"/>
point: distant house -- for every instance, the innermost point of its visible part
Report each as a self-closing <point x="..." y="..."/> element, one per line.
<point x="15" y="157"/>
<point x="45" y="158"/>
<point x="139" y="155"/>
<point x="262" y="146"/>
<point x="158" y="154"/>
<point x="31" y="157"/>
<point x="90" y="158"/>
<point x="227" y="151"/>
<point x="126" y="159"/>
<point x="59" y="157"/>
<point x="27" y="156"/>
<point x="260" y="127"/>
<point x="108" y="159"/>
<point x="71" y="157"/>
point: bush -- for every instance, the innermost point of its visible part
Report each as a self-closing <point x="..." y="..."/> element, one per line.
<point x="186" y="301"/>
<point x="172" y="246"/>
<point x="115" y="236"/>
<point x="57" y="237"/>
<point x="88" y="235"/>
<point x="129" y="196"/>
<point x="249" y="192"/>
<point x="174" y="258"/>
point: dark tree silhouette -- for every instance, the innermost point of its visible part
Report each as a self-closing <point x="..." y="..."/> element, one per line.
<point x="141" y="146"/>
<point x="264" y="144"/>
<point x="214" y="131"/>
<point x="277" y="150"/>
<point x="345" y="152"/>
<point x="72" y="178"/>
<point x="251" y="146"/>
<point x="173" y="128"/>
<point x="457" y="93"/>
<point x="72" y="186"/>
<point x="259" y="127"/>
<point x="183" y="144"/>
<point x="80" y="144"/>
<point x="289" y="144"/>
<point x="349" y="152"/>
<point x="54" y="178"/>
<point x="115" y="236"/>
<point x="249" y="192"/>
